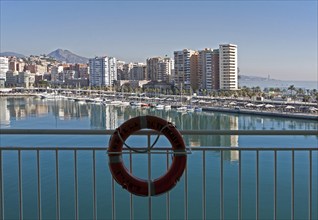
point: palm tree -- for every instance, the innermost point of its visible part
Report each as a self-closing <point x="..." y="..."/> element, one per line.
<point x="291" y="88"/>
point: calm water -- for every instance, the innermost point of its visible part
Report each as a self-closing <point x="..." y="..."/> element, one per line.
<point x="35" y="113"/>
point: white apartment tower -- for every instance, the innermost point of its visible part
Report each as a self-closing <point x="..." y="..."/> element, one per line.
<point x="165" y="68"/>
<point x="182" y="67"/>
<point x="4" y="67"/>
<point x="228" y="67"/>
<point x="103" y="71"/>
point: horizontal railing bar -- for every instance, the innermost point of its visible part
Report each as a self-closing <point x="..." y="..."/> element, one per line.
<point x="148" y="131"/>
<point x="126" y="150"/>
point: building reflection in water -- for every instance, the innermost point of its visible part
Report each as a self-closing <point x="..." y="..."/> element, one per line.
<point x="110" y="117"/>
<point x="4" y="113"/>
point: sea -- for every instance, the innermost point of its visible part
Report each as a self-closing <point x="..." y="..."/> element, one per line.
<point x="34" y="113"/>
<point x="272" y="83"/>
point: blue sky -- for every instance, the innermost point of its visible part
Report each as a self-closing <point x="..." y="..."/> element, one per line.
<point x="276" y="38"/>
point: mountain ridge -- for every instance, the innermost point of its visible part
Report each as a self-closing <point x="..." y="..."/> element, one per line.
<point x="12" y="54"/>
<point x="67" y="56"/>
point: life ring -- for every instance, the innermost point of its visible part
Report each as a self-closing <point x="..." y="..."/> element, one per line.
<point x="134" y="184"/>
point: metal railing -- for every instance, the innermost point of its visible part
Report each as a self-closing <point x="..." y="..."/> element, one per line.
<point x="203" y="153"/>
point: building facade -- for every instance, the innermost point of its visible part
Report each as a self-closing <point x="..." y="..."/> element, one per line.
<point x="152" y="68"/>
<point x="228" y="67"/>
<point x="165" y="69"/>
<point x="103" y="71"/>
<point x="138" y="72"/>
<point x="208" y="69"/>
<point x="160" y="69"/>
<point x="182" y="71"/>
<point x="4" y="67"/>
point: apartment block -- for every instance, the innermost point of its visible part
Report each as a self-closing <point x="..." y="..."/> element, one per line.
<point x="208" y="69"/>
<point x="182" y="68"/>
<point x="165" y="69"/>
<point x="159" y="69"/>
<point x="228" y="67"/>
<point x="138" y="72"/>
<point x="4" y="67"/>
<point x="103" y="71"/>
<point x="152" y="68"/>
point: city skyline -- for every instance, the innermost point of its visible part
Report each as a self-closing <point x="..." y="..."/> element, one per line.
<point x="274" y="38"/>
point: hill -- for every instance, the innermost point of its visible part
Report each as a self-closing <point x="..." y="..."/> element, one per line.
<point x="67" y="56"/>
<point x="11" y="54"/>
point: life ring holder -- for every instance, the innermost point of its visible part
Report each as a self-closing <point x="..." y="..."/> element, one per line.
<point x="134" y="184"/>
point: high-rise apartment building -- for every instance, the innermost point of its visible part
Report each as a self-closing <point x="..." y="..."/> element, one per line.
<point x="103" y="71"/>
<point x="228" y="67"/>
<point x="165" y="69"/>
<point x="182" y="68"/>
<point x="138" y="72"/>
<point x="208" y="69"/>
<point x="159" y="69"/>
<point x="4" y="67"/>
<point x="152" y="68"/>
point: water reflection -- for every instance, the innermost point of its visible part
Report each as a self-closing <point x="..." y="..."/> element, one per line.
<point x="4" y="113"/>
<point x="110" y="117"/>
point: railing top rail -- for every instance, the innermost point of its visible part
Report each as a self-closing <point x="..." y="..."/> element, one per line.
<point x="146" y="132"/>
<point x="163" y="149"/>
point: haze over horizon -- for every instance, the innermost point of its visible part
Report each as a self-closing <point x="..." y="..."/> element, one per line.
<point x="274" y="38"/>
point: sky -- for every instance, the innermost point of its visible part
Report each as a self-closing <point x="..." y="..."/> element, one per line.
<point x="276" y="38"/>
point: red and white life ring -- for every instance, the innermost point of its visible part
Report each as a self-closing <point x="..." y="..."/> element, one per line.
<point x="134" y="184"/>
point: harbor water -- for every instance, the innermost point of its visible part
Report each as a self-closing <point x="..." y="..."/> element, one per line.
<point x="34" y="113"/>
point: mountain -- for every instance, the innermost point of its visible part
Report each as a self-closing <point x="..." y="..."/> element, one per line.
<point x="11" y="54"/>
<point x="67" y="56"/>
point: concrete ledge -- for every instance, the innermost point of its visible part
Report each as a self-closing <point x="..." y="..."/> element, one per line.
<point x="264" y="113"/>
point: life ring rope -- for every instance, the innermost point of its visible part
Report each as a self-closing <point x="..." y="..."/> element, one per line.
<point x="149" y="147"/>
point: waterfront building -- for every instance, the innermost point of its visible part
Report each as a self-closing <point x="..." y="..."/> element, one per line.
<point x="103" y="71"/>
<point x="160" y="69"/>
<point x="152" y="68"/>
<point x="55" y="73"/>
<point x="208" y="69"/>
<point x="165" y="69"/>
<point x="182" y="70"/>
<point x="194" y="76"/>
<point x="138" y="72"/>
<point x="4" y="67"/>
<point x="120" y="69"/>
<point x="81" y="70"/>
<point x="228" y="67"/>
<point x="126" y="71"/>
<point x="16" y="64"/>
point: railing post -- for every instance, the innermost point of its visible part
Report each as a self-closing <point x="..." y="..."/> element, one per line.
<point x="94" y="187"/>
<point x="293" y="186"/>
<point x="131" y="212"/>
<point x="221" y="187"/>
<point x="39" y="184"/>
<point x="1" y="189"/>
<point x="257" y="184"/>
<point x="204" y="187"/>
<point x="168" y="193"/>
<point x="57" y="185"/>
<point x="239" y="214"/>
<point x="20" y="186"/>
<point x="149" y="178"/>
<point x="75" y="182"/>
<point x="275" y="184"/>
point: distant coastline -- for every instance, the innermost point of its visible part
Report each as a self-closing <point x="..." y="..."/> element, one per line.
<point x="254" y="81"/>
